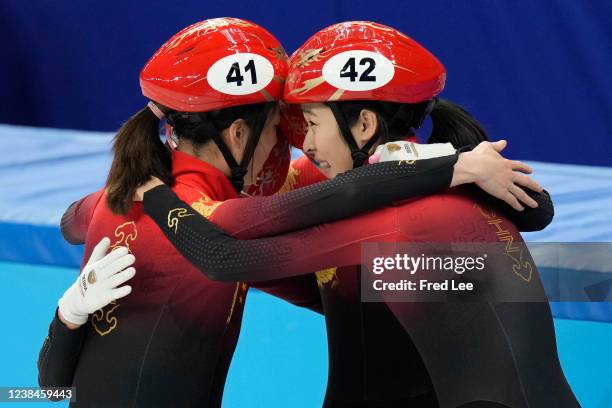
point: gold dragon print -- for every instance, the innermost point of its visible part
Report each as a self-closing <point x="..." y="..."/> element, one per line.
<point x="205" y="206"/>
<point x="174" y="217"/>
<point x="327" y="277"/>
<point x="290" y="181"/>
<point x="125" y="234"/>
<point x="104" y="320"/>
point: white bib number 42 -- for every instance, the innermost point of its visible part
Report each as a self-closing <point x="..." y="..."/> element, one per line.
<point x="358" y="70"/>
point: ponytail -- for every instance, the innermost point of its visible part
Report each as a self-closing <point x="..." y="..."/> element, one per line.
<point x="453" y="124"/>
<point x="139" y="154"/>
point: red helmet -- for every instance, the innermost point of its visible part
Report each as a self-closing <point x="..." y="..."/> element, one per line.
<point x="361" y="60"/>
<point x="216" y="64"/>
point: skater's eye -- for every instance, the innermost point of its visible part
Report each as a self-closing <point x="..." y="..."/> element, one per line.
<point x="311" y="123"/>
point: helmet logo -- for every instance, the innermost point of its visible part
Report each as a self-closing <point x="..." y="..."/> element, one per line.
<point x="393" y="147"/>
<point x="358" y="70"/>
<point x="240" y="74"/>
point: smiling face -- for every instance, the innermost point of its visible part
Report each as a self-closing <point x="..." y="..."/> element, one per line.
<point x="324" y="142"/>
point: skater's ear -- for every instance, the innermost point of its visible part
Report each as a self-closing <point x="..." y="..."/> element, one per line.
<point x="365" y="127"/>
<point x="236" y="137"/>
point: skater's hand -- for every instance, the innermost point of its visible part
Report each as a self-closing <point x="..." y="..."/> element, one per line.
<point x="98" y="284"/>
<point x="500" y="177"/>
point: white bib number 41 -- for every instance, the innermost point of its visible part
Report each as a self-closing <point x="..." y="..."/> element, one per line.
<point x="240" y="74"/>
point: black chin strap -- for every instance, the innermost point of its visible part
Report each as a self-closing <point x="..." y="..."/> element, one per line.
<point x="239" y="171"/>
<point x="358" y="155"/>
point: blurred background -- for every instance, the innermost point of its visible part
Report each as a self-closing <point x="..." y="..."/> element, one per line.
<point x="534" y="72"/>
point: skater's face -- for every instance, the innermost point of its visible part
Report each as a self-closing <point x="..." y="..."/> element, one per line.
<point x="324" y="143"/>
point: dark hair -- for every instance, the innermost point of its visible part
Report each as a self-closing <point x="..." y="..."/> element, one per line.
<point x="199" y="128"/>
<point x="139" y="152"/>
<point x="396" y="121"/>
<point x="452" y="123"/>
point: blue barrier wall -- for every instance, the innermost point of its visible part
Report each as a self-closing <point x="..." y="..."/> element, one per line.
<point x="533" y="71"/>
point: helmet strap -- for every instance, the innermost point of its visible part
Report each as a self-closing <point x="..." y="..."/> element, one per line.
<point x="239" y="171"/>
<point x="358" y="155"/>
<point x="205" y="123"/>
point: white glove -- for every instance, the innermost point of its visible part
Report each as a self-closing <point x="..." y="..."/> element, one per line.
<point x="97" y="285"/>
<point x="402" y="150"/>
